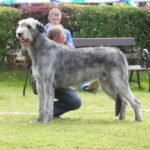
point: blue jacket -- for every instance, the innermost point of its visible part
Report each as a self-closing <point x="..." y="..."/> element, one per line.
<point x="55" y="2"/>
<point x="67" y="33"/>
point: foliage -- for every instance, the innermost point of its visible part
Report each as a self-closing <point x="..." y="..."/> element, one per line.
<point x="112" y="22"/>
<point x="106" y="21"/>
<point x="38" y="12"/>
<point x="8" y="20"/>
<point x="82" y="21"/>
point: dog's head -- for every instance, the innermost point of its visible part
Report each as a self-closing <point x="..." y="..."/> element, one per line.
<point x="27" y="30"/>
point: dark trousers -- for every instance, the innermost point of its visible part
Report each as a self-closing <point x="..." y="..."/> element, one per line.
<point x="67" y="100"/>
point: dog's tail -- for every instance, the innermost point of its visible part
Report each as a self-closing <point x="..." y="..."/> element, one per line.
<point x="118" y="105"/>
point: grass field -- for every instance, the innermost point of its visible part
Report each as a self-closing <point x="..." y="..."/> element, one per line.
<point x="92" y="127"/>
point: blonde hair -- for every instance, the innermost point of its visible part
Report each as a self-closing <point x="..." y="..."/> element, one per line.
<point x="54" y="12"/>
<point x="55" y="30"/>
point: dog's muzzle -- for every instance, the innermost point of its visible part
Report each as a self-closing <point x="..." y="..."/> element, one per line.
<point x="21" y="39"/>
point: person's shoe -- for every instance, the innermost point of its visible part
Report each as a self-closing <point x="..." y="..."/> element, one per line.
<point x="57" y="117"/>
<point x="93" y="85"/>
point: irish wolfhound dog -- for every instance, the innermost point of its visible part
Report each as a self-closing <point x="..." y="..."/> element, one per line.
<point x="57" y="65"/>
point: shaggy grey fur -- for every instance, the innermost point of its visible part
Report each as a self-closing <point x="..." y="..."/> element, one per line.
<point x="57" y="65"/>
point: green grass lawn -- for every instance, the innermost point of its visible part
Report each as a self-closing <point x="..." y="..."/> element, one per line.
<point x="92" y="127"/>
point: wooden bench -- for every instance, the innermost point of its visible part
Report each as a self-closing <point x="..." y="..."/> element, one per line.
<point x="117" y="42"/>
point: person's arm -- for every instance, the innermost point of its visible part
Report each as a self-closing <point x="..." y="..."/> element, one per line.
<point x="46" y="28"/>
<point x="69" y="38"/>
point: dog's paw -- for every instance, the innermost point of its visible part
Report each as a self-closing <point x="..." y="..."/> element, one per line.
<point x="39" y="120"/>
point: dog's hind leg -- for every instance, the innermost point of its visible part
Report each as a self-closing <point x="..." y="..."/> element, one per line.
<point x="109" y="90"/>
<point x="122" y="86"/>
<point x="121" y="104"/>
<point x="118" y="77"/>
<point x="127" y="94"/>
<point x="118" y="105"/>
<point x="123" y="110"/>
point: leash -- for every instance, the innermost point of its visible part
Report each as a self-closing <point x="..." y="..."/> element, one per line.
<point x="26" y="80"/>
<point x="28" y="68"/>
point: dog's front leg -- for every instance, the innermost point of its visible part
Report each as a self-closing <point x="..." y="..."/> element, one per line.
<point x="49" y="95"/>
<point x="41" y="99"/>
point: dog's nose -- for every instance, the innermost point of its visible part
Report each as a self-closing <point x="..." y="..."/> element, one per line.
<point x="19" y="34"/>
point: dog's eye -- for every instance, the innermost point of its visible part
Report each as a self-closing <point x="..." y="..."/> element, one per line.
<point x="28" y="26"/>
<point x="17" y="25"/>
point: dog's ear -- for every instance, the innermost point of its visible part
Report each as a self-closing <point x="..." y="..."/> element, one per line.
<point x="40" y="27"/>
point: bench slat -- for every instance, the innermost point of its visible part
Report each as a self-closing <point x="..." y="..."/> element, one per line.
<point x="93" y="42"/>
<point x="131" y="55"/>
<point x="137" y="68"/>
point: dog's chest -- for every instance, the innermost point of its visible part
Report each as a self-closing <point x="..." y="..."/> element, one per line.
<point x="35" y="71"/>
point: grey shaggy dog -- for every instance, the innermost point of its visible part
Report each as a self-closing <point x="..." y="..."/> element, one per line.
<point x="57" y="65"/>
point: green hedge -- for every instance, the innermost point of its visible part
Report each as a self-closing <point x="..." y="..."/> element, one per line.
<point x="111" y="22"/>
<point x="84" y="21"/>
<point x="8" y="19"/>
<point x="106" y="21"/>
